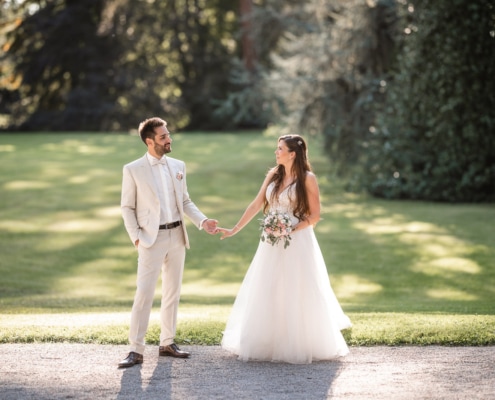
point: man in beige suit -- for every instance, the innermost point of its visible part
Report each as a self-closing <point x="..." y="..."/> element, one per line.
<point x="154" y="202"/>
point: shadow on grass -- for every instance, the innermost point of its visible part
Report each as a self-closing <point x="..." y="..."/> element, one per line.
<point x="64" y="247"/>
<point x="412" y="256"/>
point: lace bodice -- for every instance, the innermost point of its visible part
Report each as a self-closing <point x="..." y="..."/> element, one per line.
<point x="283" y="204"/>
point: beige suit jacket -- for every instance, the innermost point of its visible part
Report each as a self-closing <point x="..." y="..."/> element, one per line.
<point x="140" y="203"/>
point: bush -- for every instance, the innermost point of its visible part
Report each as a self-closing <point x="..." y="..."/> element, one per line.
<point x="435" y="136"/>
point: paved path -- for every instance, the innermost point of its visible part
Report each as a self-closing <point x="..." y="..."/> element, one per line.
<point x="77" y="371"/>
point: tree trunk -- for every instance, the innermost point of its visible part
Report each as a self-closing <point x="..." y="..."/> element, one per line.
<point x="248" y="52"/>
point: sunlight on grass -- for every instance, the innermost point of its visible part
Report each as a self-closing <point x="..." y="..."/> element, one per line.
<point x="185" y="314"/>
<point x="451" y="294"/>
<point x="82" y="225"/>
<point x="209" y="288"/>
<point x="350" y="286"/>
<point x="210" y="313"/>
<point x="435" y="245"/>
<point x="16" y="226"/>
<point x="87" y="280"/>
<point x="405" y="272"/>
<point x="77" y="146"/>
<point x="394" y="225"/>
<point x="348" y="210"/>
<point x="438" y="252"/>
<point x="449" y="266"/>
<point x="454" y="264"/>
<point x="80" y="179"/>
<point x="27" y="185"/>
<point x="67" y="320"/>
<point x="7" y="148"/>
<point x="204" y="325"/>
<point x="108" y="212"/>
<point x="420" y="329"/>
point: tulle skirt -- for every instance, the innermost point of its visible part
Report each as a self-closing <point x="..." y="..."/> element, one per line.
<point x="286" y="310"/>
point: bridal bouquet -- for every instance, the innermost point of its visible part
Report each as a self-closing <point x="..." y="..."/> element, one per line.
<point x="275" y="227"/>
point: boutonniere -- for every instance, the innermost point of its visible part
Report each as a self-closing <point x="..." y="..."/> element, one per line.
<point x="179" y="175"/>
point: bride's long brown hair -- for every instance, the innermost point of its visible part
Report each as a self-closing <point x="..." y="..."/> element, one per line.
<point x="300" y="167"/>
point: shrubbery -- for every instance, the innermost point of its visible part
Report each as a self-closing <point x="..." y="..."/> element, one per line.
<point x="435" y="136"/>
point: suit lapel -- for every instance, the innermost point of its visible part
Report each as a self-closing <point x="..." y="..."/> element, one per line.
<point x="147" y="174"/>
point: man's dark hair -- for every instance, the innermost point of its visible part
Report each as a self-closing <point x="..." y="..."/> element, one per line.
<point x="147" y="128"/>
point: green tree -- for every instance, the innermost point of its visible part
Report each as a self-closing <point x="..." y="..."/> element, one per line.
<point x="8" y="85"/>
<point x="247" y="102"/>
<point x="64" y="65"/>
<point x="327" y="64"/>
<point x="200" y="41"/>
<point x="435" y="138"/>
<point x="403" y="92"/>
<point x="106" y="64"/>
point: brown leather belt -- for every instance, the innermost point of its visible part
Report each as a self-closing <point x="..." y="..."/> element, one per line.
<point x="172" y="225"/>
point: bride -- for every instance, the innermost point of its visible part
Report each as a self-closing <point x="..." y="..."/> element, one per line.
<point x="286" y="310"/>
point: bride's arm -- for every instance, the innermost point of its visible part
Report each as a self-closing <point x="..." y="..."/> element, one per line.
<point x="252" y="209"/>
<point x="313" y="192"/>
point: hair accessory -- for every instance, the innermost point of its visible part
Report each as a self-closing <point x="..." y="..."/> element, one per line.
<point x="299" y="143"/>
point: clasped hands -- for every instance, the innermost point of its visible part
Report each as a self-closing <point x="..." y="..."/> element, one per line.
<point x="211" y="227"/>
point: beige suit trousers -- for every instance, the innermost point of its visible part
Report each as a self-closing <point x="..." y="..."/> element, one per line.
<point x="167" y="255"/>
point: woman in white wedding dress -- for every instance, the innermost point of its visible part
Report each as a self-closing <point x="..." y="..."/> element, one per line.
<point x="286" y="310"/>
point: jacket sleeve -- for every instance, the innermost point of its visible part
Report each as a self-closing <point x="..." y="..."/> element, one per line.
<point x="190" y="209"/>
<point x="128" y="204"/>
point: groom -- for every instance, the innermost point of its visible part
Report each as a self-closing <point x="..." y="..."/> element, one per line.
<point x="154" y="201"/>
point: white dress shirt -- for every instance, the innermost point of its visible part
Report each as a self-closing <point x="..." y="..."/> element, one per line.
<point x="168" y="203"/>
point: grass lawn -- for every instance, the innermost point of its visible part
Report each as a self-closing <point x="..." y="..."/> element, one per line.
<point x="405" y="272"/>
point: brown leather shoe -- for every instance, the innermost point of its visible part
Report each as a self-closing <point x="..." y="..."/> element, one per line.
<point x="172" y="351"/>
<point x="131" y="359"/>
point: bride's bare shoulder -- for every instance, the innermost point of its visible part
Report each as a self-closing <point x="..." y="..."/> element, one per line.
<point x="310" y="175"/>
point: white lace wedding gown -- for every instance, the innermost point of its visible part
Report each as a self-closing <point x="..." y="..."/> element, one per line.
<point x="286" y="310"/>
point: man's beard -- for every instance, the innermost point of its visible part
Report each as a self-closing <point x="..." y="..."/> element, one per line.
<point x="162" y="150"/>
